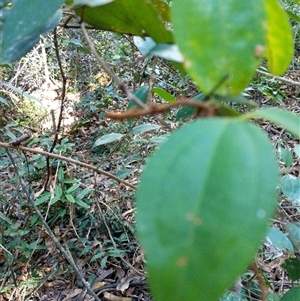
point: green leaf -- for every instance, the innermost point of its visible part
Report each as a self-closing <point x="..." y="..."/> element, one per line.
<point x="279" y="240"/>
<point x="140" y="93"/>
<point x="164" y="94"/>
<point x="145" y="127"/>
<point x="158" y="139"/>
<point x="123" y="173"/>
<point x="73" y="188"/>
<point x="144" y="45"/>
<point x="292" y="294"/>
<point x="292" y="15"/>
<point x="188" y="111"/>
<point x="283" y="118"/>
<point x="105" y="139"/>
<point x="293" y="233"/>
<point x="43" y="198"/>
<point x="82" y="194"/>
<point x="24" y="24"/>
<point x="279" y="38"/>
<point x="82" y="204"/>
<point x="292" y="265"/>
<point x="136" y="17"/>
<point x="286" y="156"/>
<point x="3" y="101"/>
<point x="222" y="41"/>
<point x="57" y="196"/>
<point x="70" y="198"/>
<point x="290" y="186"/>
<point x="204" y="200"/>
<point x="169" y="52"/>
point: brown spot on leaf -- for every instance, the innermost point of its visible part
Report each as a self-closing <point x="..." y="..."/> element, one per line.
<point x="194" y="218"/>
<point x="182" y="261"/>
<point x="259" y="50"/>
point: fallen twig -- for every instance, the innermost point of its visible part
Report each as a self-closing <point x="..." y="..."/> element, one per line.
<point x="60" y="157"/>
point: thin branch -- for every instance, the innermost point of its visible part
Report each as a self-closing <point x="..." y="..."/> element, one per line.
<point x="283" y="79"/>
<point x="62" y="104"/>
<point x="55" y="156"/>
<point x="106" y="68"/>
<point x="204" y="107"/>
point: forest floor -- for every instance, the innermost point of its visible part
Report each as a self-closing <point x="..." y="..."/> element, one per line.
<point x="91" y="214"/>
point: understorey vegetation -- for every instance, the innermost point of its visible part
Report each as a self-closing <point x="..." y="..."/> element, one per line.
<point x="149" y="150"/>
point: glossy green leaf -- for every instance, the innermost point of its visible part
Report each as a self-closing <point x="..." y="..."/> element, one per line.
<point x="24" y="24"/>
<point x="279" y="38"/>
<point x="164" y="94"/>
<point x="292" y="266"/>
<point x="293" y="233"/>
<point x="279" y="240"/>
<point x="105" y="139"/>
<point x="290" y="186"/>
<point x="283" y="118"/>
<point x="145" y="127"/>
<point x="136" y="17"/>
<point x="205" y="200"/>
<point x="222" y="41"/>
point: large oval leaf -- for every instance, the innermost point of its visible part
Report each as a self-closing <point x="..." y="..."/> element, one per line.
<point x="222" y="41"/>
<point x="203" y="207"/>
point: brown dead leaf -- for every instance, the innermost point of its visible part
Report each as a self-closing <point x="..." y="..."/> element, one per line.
<point x="112" y="297"/>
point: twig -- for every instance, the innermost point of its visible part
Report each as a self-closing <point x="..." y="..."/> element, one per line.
<point x="151" y="80"/>
<point x="261" y="282"/>
<point x="106" y="68"/>
<point x="283" y="79"/>
<point x="60" y="157"/>
<point x="62" y="103"/>
<point x="30" y="198"/>
<point x="205" y="107"/>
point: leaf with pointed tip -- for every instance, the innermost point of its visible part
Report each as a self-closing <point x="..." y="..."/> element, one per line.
<point x="105" y="139"/>
<point x="204" y="200"/>
<point x="283" y="118"/>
